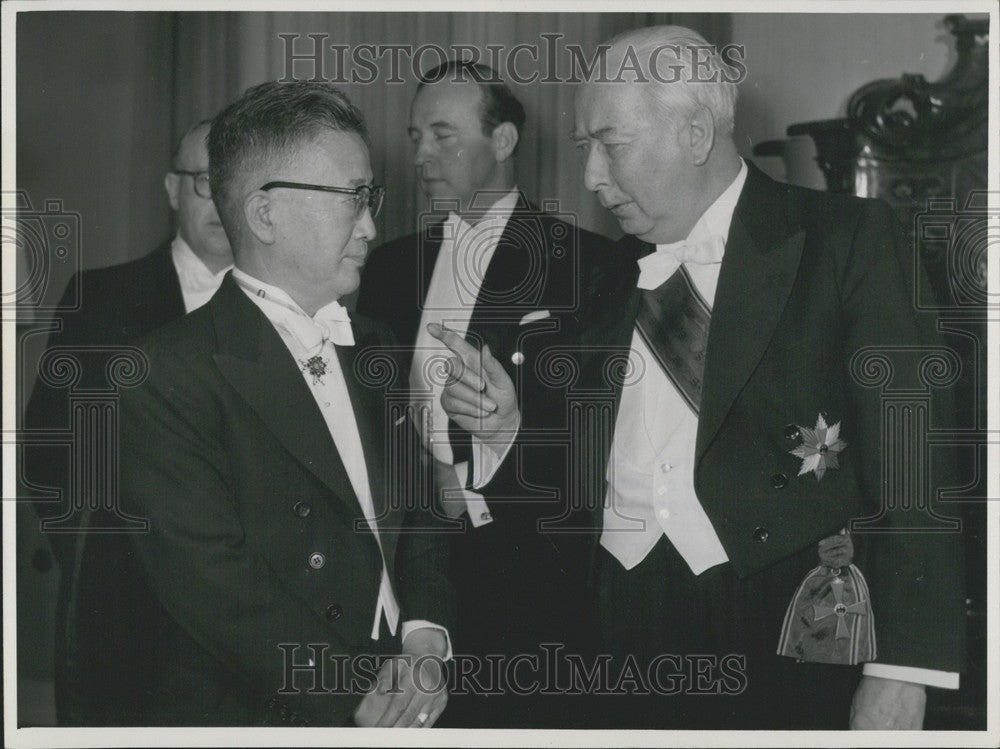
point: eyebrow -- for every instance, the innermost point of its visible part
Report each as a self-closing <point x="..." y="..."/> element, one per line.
<point x="604" y="132"/>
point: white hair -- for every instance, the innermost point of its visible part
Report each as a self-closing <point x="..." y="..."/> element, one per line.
<point x="664" y="51"/>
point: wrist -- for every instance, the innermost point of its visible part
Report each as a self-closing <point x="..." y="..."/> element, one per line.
<point x="426" y="641"/>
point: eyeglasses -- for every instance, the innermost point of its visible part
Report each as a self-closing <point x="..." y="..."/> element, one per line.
<point x="365" y="196"/>
<point x="200" y="179"/>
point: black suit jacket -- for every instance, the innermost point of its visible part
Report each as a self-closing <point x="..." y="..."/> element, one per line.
<point x="542" y="263"/>
<point x="517" y="584"/>
<point x="813" y="313"/>
<point x="102" y="310"/>
<point x="104" y="611"/>
<point x="256" y="539"/>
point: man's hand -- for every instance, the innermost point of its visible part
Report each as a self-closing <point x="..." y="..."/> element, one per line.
<point x="887" y="704"/>
<point x="411" y="691"/>
<point x="479" y="395"/>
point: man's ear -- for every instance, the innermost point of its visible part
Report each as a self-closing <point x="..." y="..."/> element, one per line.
<point x="701" y="131"/>
<point x="257" y="210"/>
<point x="172" y="182"/>
<point x="504" y="141"/>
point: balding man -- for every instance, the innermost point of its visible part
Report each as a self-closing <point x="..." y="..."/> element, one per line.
<point x="740" y="447"/>
<point x="105" y="613"/>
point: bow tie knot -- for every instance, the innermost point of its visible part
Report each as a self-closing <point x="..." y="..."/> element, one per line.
<point x="658" y="266"/>
<point x="332" y="323"/>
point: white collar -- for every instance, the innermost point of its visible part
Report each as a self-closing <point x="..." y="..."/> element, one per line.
<point x="273" y="295"/>
<point x="719" y="216"/>
<point x="191" y="269"/>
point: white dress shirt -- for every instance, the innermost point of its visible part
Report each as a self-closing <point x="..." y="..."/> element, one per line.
<point x="465" y="254"/>
<point x="651" y="467"/>
<point x="334" y="402"/>
<point x="198" y="282"/>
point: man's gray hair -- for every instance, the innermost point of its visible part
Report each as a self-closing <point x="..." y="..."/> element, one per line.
<point x="678" y="64"/>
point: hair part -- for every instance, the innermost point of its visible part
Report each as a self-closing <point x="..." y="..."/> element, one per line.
<point x="497" y="103"/>
<point x="260" y="130"/>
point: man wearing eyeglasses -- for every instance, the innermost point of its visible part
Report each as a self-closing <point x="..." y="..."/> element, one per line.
<point x="297" y="566"/>
<point x="104" y="611"/>
<point x="200" y="252"/>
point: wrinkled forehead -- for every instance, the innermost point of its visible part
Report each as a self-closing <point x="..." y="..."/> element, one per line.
<point x="605" y="105"/>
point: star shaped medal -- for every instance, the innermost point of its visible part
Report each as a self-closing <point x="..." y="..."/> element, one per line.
<point x="819" y="448"/>
<point x="316" y="367"/>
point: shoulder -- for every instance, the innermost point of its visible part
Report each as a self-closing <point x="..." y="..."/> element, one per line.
<point x="810" y="209"/>
<point x="562" y="235"/>
<point x="184" y="344"/>
<point x="131" y="274"/>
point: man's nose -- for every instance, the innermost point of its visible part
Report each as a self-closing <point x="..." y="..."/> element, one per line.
<point x="422" y="153"/>
<point x="365" y="226"/>
<point x="595" y="170"/>
<point x="214" y="215"/>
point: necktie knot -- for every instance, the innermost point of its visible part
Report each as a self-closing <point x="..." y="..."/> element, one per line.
<point x="335" y="324"/>
<point x="657" y="267"/>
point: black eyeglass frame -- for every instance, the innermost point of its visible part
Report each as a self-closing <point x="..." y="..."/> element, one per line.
<point x="196" y="179"/>
<point x="376" y="194"/>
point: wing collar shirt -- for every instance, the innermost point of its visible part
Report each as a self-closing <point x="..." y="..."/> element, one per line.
<point x="305" y="338"/>
<point x="198" y="282"/>
<point x="651" y="468"/>
<point x="465" y="254"/>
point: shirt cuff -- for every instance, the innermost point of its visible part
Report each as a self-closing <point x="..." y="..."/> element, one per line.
<point x="929" y="677"/>
<point x="475" y="504"/>
<point x="487" y="457"/>
<point x="414" y="624"/>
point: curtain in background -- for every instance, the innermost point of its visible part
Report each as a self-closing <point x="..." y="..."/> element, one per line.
<point x="220" y="54"/>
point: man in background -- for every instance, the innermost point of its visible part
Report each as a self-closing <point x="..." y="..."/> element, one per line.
<point x="499" y="272"/>
<point x="105" y="614"/>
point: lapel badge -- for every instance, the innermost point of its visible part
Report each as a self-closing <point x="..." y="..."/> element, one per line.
<point x="517" y="358"/>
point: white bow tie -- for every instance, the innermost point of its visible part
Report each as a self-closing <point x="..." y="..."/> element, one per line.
<point x="332" y="323"/>
<point x="657" y="267"/>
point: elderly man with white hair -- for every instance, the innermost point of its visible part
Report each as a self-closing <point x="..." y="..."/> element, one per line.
<point x="753" y="561"/>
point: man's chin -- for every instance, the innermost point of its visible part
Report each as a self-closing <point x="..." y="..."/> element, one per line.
<point x="437" y="192"/>
<point x="635" y="227"/>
